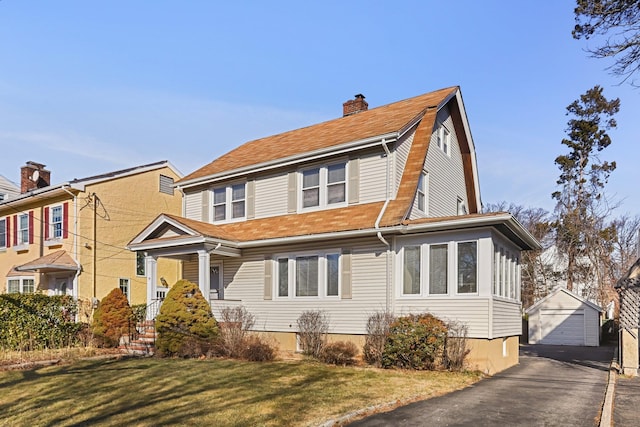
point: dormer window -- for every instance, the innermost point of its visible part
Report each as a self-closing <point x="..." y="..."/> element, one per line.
<point x="324" y="185"/>
<point x="421" y="194"/>
<point x="462" y="208"/>
<point x="443" y="139"/>
<point x="229" y="203"/>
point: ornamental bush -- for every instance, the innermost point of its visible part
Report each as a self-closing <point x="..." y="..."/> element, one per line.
<point x="112" y="319"/>
<point x="185" y="325"/>
<point x="36" y="322"/>
<point x="415" y="341"/>
<point x="313" y="326"/>
<point x="339" y="353"/>
<point x="378" y="326"/>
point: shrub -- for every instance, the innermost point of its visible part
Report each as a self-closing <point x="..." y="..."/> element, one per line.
<point x="112" y="319"/>
<point x="234" y="325"/>
<point x="377" y="332"/>
<point x="415" y="342"/>
<point x="339" y="353"/>
<point x="456" y="346"/>
<point x="313" y="326"/>
<point x="185" y="325"/>
<point x="258" y="350"/>
<point x="36" y="321"/>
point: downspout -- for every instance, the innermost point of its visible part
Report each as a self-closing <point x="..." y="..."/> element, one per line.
<point x="75" y="244"/>
<point x="377" y="227"/>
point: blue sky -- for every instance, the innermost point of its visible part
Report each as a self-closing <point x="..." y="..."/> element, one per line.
<point x="91" y="87"/>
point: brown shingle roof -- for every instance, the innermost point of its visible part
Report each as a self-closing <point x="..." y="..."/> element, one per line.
<point x="58" y="260"/>
<point x="377" y="121"/>
<point x="350" y="218"/>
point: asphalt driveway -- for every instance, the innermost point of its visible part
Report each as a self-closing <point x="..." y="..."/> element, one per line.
<point x="552" y="386"/>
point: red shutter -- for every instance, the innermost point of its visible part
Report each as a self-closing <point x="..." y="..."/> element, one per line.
<point x="8" y="231"/>
<point x="46" y="223"/>
<point x="65" y="220"/>
<point x="30" y="227"/>
<point x="15" y="230"/>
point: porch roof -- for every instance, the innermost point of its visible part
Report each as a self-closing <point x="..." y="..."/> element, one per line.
<point x="55" y="261"/>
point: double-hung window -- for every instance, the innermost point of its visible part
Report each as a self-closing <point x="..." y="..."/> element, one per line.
<point x="229" y="203"/>
<point x="308" y="275"/>
<point x="324" y="185"/>
<point x="23" y="285"/>
<point x="23" y="229"/>
<point x="443" y="139"/>
<point x="56" y="222"/>
<point x="3" y="233"/>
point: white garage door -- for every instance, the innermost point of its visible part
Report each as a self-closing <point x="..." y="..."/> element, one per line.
<point x="562" y="327"/>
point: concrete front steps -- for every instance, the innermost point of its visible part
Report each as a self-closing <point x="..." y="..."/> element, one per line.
<point x="144" y="343"/>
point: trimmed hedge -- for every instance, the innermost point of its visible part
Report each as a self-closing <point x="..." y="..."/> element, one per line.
<point x="36" y="321"/>
<point x="185" y="325"/>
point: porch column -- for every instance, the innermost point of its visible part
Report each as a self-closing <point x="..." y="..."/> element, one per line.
<point x="151" y="267"/>
<point x="204" y="275"/>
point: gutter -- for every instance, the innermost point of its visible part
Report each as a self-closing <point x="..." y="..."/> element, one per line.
<point x="388" y="280"/>
<point x="75" y="242"/>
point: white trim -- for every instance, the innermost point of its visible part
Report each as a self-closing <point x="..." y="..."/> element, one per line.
<point x="291" y="274"/>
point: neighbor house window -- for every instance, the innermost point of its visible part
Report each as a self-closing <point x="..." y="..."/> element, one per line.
<point x="438" y="255"/>
<point x="229" y="202"/>
<point x="56" y="222"/>
<point x="323" y="186"/>
<point x="411" y="271"/>
<point x="2" y="197"/>
<point x="23" y="285"/>
<point x="124" y="287"/>
<point x="313" y="275"/>
<point x="140" y="264"/>
<point x="467" y="267"/>
<point x="23" y="229"/>
<point x="3" y="233"/>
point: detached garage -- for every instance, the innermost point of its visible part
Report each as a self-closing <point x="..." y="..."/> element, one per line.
<point x="564" y="318"/>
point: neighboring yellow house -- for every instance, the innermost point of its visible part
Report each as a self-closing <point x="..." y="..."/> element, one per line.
<point x="70" y="238"/>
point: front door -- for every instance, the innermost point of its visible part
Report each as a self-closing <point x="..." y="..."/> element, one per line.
<point x="61" y="286"/>
<point x="216" y="288"/>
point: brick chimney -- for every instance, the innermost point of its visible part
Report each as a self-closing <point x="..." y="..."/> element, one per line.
<point x="354" y="106"/>
<point x="34" y="175"/>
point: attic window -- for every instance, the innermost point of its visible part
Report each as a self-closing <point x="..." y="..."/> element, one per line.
<point x="166" y="184"/>
<point x="443" y="139"/>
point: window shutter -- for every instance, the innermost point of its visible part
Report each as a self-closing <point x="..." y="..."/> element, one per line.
<point x="346" y="276"/>
<point x="268" y="282"/>
<point x="354" y="181"/>
<point x="30" y="227"/>
<point x="205" y="205"/>
<point x="15" y="230"/>
<point x="291" y="193"/>
<point x="46" y="223"/>
<point x="8" y="232"/>
<point x="251" y="199"/>
<point x="65" y="220"/>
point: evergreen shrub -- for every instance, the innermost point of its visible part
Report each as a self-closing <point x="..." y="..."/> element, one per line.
<point x="112" y="319"/>
<point x="185" y="325"/>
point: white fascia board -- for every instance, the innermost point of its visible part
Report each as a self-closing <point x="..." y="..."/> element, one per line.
<point x="169" y="243"/>
<point x="292" y="160"/>
<point x="41" y="193"/>
<point x="159" y="221"/>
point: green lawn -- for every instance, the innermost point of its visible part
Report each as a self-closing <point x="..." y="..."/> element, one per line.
<point x="151" y="392"/>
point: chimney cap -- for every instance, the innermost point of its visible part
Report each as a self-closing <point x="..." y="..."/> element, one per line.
<point x="36" y="164"/>
<point x="359" y="96"/>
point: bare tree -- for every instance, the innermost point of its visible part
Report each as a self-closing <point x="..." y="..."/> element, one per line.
<point x="616" y="24"/>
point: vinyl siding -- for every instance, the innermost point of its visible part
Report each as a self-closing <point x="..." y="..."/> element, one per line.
<point x="190" y="270"/>
<point x="373" y="183"/>
<point x="271" y="195"/>
<point x="446" y="173"/>
<point x="506" y="318"/>
<point x="243" y="279"/>
<point x="193" y="206"/>
<point x="472" y="311"/>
